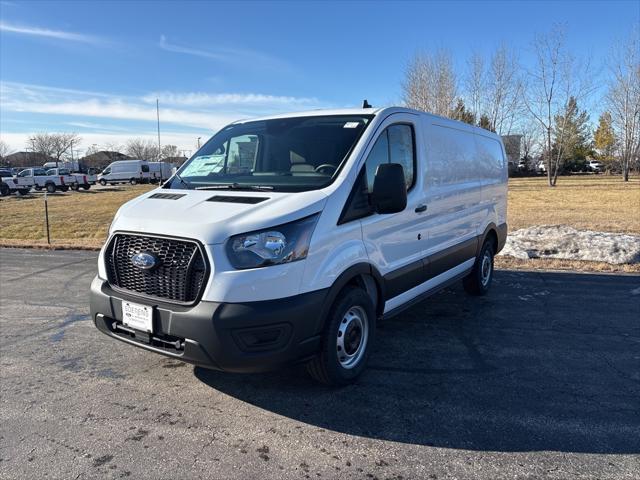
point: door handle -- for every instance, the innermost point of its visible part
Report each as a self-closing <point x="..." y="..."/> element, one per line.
<point x="421" y="208"/>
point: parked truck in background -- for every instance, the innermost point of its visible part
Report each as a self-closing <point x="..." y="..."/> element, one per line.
<point x="9" y="183"/>
<point x="41" y="179"/>
<point x="75" y="180"/>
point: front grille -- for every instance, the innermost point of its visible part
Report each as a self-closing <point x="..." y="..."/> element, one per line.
<point x="179" y="276"/>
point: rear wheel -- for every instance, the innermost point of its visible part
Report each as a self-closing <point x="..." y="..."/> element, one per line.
<point x="23" y="191"/>
<point x="75" y="187"/>
<point x="4" y="189"/>
<point x="479" y="280"/>
<point x="103" y="182"/>
<point x="51" y="188"/>
<point x="65" y="188"/>
<point x="38" y="188"/>
<point x="86" y="186"/>
<point x="133" y="181"/>
<point x="347" y="340"/>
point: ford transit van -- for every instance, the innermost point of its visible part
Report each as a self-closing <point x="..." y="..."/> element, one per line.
<point x="125" y="171"/>
<point x="285" y="239"/>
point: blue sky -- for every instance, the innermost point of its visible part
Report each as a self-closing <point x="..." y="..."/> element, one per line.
<point x="96" y="68"/>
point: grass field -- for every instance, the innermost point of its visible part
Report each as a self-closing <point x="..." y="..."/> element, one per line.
<point x="594" y="202"/>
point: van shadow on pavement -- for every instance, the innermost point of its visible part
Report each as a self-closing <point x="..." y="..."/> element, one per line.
<point x="546" y="361"/>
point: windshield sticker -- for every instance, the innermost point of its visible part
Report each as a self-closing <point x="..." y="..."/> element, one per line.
<point x="204" y="165"/>
<point x="351" y="125"/>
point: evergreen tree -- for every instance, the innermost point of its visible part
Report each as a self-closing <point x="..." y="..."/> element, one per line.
<point x="486" y="123"/>
<point x="571" y="136"/>
<point x="604" y="139"/>
<point x="461" y="113"/>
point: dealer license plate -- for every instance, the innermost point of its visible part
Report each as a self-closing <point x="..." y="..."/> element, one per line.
<point x="139" y="317"/>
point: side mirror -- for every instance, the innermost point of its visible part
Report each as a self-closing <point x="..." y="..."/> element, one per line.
<point x="389" y="189"/>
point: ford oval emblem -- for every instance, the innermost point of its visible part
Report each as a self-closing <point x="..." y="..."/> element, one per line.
<point x="144" y="261"/>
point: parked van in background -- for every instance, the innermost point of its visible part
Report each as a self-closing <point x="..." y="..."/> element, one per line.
<point x="160" y="171"/>
<point x="125" y="171"/>
<point x="284" y="239"/>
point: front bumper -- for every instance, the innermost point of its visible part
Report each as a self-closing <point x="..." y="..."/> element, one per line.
<point x="235" y="337"/>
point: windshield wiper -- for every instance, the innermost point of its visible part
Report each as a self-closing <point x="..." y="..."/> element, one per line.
<point x="234" y="186"/>
<point x="182" y="181"/>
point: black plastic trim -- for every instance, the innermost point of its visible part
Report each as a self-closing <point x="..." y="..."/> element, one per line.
<point x="212" y="331"/>
<point x="236" y="199"/>
<point x="409" y="276"/>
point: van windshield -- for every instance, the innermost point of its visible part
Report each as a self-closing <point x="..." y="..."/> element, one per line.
<point x="288" y="154"/>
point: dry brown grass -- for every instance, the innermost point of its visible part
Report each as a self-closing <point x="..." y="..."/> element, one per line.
<point x="586" y="202"/>
<point x="76" y="219"/>
<point x="594" y="202"/>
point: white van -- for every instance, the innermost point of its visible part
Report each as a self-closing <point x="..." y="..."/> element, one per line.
<point x="125" y="171"/>
<point x="284" y="239"/>
<point x="160" y="171"/>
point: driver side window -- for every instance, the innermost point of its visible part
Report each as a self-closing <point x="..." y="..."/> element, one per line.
<point x="394" y="145"/>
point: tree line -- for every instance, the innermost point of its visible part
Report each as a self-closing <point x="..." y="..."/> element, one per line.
<point x="541" y="101"/>
<point x="59" y="147"/>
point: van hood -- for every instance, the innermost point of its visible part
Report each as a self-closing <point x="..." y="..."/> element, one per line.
<point x="212" y="216"/>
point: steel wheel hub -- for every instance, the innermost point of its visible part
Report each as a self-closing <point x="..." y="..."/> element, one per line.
<point x="353" y="334"/>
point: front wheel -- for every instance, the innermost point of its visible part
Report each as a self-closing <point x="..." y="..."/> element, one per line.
<point x="4" y="189"/>
<point x="347" y="340"/>
<point x="479" y="280"/>
<point x="102" y="182"/>
<point x="75" y="187"/>
<point x="133" y="181"/>
<point x="51" y="188"/>
<point x="86" y="186"/>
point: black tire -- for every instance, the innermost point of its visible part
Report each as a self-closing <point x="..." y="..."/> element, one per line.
<point x="4" y="189"/>
<point x="75" y="187"/>
<point x="51" y="188"/>
<point x="479" y="280"/>
<point x="38" y="187"/>
<point x="23" y="191"/>
<point x="102" y="182"/>
<point x="133" y="181"/>
<point x="64" y="188"/>
<point x="86" y="186"/>
<point x="342" y="325"/>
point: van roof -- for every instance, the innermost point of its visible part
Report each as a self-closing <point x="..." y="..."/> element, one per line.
<point x="368" y="111"/>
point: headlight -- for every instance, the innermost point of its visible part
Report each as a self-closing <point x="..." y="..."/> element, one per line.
<point x="272" y="246"/>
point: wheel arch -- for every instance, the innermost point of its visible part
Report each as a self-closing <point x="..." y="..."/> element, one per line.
<point x="495" y="233"/>
<point x="362" y="275"/>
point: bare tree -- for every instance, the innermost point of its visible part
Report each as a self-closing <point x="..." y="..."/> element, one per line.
<point x="494" y="91"/>
<point x="475" y="85"/>
<point x="142" y="149"/>
<point x="430" y="83"/>
<point x="169" y="151"/>
<point x="54" y="145"/>
<point x="4" y="150"/>
<point x="504" y="90"/>
<point x="554" y="78"/>
<point x="623" y="99"/>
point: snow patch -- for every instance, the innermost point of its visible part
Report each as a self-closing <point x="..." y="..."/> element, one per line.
<point x="567" y="243"/>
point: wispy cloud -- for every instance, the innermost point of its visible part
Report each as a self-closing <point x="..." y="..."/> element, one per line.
<point x="200" y="99"/>
<point x="196" y="112"/>
<point x="238" y="57"/>
<point x="48" y="33"/>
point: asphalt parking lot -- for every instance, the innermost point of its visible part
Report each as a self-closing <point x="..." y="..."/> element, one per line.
<point x="540" y="379"/>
